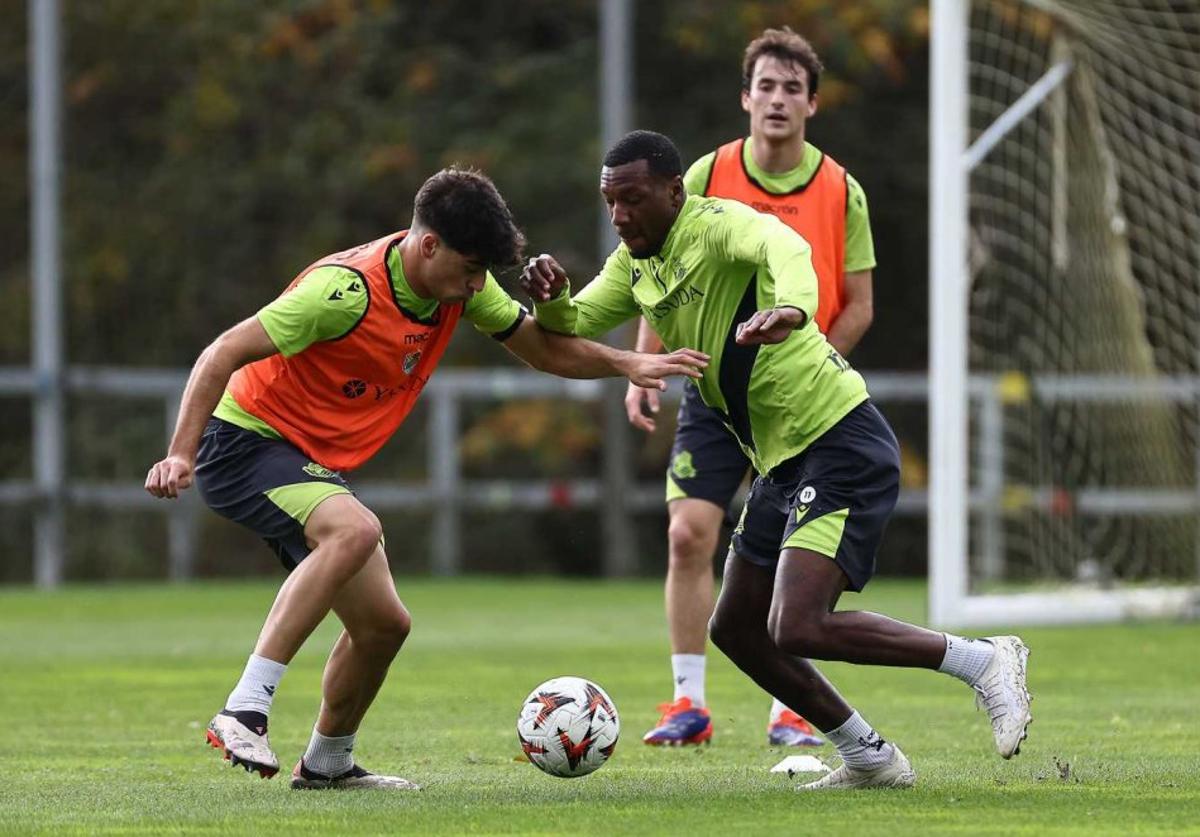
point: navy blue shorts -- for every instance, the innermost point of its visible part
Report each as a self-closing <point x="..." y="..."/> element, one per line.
<point x="267" y="485"/>
<point x="834" y="498"/>
<point x="707" y="463"/>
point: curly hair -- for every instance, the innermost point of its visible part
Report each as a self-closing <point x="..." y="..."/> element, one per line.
<point x="657" y="150"/>
<point x="466" y="211"/>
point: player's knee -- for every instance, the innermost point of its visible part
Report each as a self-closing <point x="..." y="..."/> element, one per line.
<point x="359" y="538"/>
<point x="797" y="633"/>
<point x="718" y="630"/>
<point x="386" y="632"/>
<point x="691" y="544"/>
<point x="346" y="550"/>
<point x="396" y="628"/>
<point x="725" y="633"/>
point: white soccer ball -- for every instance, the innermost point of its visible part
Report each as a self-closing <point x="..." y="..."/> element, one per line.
<point x="568" y="726"/>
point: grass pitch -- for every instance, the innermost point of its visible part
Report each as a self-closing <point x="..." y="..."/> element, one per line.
<point x="106" y="691"/>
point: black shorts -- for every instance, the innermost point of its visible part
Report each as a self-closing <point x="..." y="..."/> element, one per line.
<point x="835" y="498"/>
<point x="267" y="485"/>
<point x="707" y="463"/>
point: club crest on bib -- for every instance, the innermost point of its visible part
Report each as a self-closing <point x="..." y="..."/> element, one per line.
<point x="410" y="362"/>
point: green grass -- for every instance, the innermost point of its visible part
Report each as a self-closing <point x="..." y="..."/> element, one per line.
<point x="105" y="692"/>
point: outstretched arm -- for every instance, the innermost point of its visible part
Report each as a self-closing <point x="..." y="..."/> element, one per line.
<point x="245" y="342"/>
<point x="604" y="304"/>
<point x="573" y="357"/>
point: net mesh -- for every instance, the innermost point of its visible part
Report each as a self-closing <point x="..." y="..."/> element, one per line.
<point x="1085" y="293"/>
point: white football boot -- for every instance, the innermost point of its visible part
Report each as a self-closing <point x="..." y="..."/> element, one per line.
<point x="354" y="778"/>
<point x="1001" y="691"/>
<point x="897" y="773"/>
<point x="242" y="744"/>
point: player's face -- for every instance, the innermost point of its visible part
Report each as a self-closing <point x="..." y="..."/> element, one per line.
<point x="642" y="205"/>
<point x="778" y="100"/>
<point x="450" y="276"/>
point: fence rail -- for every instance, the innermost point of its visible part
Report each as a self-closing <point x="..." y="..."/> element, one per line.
<point x="446" y="494"/>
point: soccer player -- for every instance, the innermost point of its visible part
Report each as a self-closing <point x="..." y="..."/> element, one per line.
<point x="775" y="170"/>
<point x="313" y="385"/>
<point x="739" y="285"/>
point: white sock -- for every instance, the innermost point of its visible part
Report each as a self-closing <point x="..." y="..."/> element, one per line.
<point x="859" y="744"/>
<point x="329" y="756"/>
<point x="255" y="691"/>
<point x="777" y="709"/>
<point x="966" y="658"/>
<point x="689" y="677"/>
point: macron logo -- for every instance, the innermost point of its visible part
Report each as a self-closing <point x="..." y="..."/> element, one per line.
<point x="270" y="690"/>
<point x="872" y="742"/>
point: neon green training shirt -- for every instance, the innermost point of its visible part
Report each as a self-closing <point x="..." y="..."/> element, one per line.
<point x="311" y="312"/>
<point x="721" y="262"/>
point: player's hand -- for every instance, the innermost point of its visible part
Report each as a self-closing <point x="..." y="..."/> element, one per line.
<point x="641" y="405"/>
<point x="543" y="278"/>
<point x="770" y="326"/>
<point x="650" y="370"/>
<point x="170" y="476"/>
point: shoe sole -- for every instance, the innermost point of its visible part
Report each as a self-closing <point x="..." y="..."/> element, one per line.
<point x="904" y="778"/>
<point x="902" y="782"/>
<point x="265" y="771"/>
<point x="807" y="741"/>
<point x="699" y="738"/>
<point x="1024" y="653"/>
<point x="337" y="787"/>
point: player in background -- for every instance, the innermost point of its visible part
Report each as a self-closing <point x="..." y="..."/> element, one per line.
<point x="775" y="170"/>
<point x="739" y="285"/>
<point x="313" y="385"/>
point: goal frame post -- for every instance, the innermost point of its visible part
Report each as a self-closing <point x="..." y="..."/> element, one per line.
<point x="952" y="158"/>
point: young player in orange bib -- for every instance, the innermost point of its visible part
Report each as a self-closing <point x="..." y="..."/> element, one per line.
<point x="280" y="405"/>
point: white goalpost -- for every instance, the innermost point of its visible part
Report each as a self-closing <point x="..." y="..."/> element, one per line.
<point x="1064" y="403"/>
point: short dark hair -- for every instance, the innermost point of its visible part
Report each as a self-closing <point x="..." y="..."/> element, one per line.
<point x="788" y="47"/>
<point x="467" y="212"/>
<point x="657" y="150"/>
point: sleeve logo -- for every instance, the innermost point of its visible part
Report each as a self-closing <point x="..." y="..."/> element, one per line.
<point x="319" y="471"/>
<point x="682" y="466"/>
<point x="410" y="362"/>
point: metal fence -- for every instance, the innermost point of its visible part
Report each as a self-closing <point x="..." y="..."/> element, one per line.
<point x="444" y="492"/>
<point x="615" y="492"/>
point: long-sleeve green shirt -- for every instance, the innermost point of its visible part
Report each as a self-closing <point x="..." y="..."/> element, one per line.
<point x="721" y="262"/>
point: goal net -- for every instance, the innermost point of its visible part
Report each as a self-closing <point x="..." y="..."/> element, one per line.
<point x="1075" y="248"/>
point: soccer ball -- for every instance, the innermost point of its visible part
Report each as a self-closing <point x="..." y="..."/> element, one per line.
<point x="568" y="727"/>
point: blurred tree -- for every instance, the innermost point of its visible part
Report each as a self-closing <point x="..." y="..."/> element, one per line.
<point x="214" y="148"/>
<point x="14" y="183"/>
